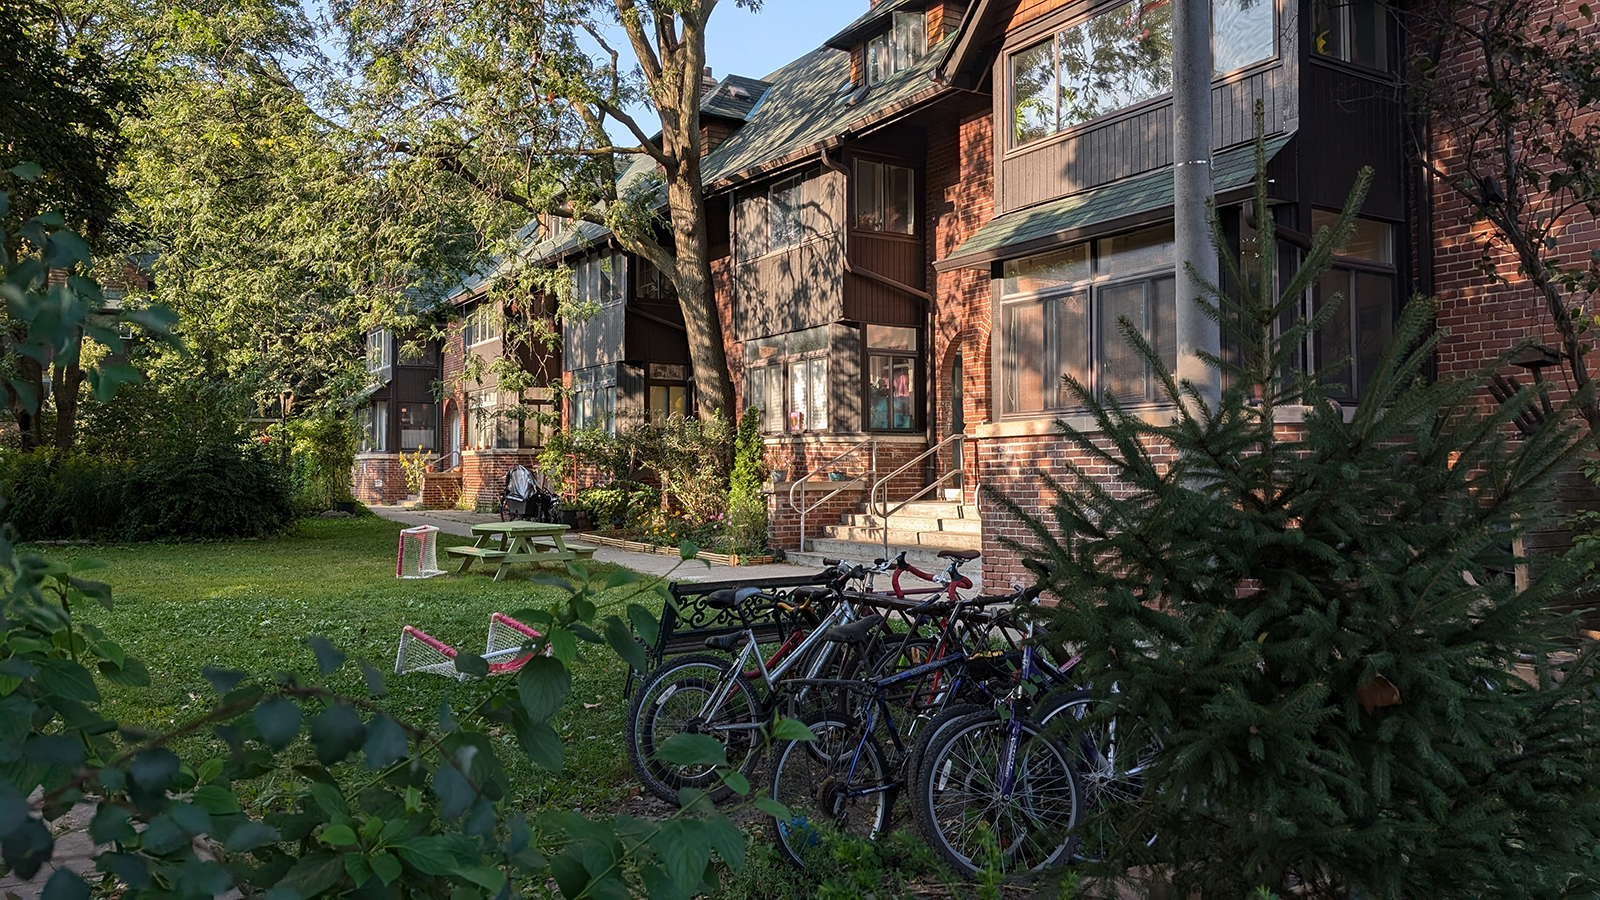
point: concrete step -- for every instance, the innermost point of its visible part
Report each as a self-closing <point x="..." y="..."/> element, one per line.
<point x="952" y="540"/>
<point x="913" y="523"/>
<point x="937" y="509"/>
<point x="923" y="557"/>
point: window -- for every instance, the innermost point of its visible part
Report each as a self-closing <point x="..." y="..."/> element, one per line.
<point x="600" y="279"/>
<point x="653" y="284"/>
<point x="419" y="353"/>
<point x="886" y="197"/>
<point x="594" y="398"/>
<point x="1119" y="58"/>
<point x="784" y="228"/>
<point x="1346" y="350"/>
<point x="891" y="378"/>
<point x="786" y="377"/>
<point x="667" y="400"/>
<point x="417" y="429"/>
<point x="1355" y="31"/>
<point x="1242" y="32"/>
<point x="375" y="428"/>
<point x="483" y="324"/>
<point x="897" y="49"/>
<point x="1060" y="314"/>
<point x="378" y="350"/>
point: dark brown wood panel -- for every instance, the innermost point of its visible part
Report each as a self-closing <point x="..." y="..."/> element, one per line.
<point x="796" y="288"/>
<point x="1348" y="121"/>
<point x="596" y="340"/>
<point x="1135" y="143"/>
<point x="650" y="336"/>
<point x="867" y="300"/>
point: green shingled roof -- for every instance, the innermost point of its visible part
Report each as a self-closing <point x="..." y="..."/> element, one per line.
<point x="1026" y="230"/>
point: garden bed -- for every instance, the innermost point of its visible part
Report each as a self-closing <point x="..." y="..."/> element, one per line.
<point x="721" y="559"/>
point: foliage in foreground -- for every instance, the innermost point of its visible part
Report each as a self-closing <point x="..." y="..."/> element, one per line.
<point x="1321" y="626"/>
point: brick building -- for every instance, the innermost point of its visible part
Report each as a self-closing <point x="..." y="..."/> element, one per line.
<point x="919" y="227"/>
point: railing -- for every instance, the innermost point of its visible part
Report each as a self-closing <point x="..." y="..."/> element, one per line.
<point x="883" y="512"/>
<point x="805" y="509"/>
<point x="446" y="463"/>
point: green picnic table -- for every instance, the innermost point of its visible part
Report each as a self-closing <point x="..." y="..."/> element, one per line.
<point x="508" y="543"/>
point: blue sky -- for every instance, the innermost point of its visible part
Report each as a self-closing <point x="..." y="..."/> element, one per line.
<point x="740" y="42"/>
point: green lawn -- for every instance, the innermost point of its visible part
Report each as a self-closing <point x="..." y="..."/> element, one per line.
<point x="250" y="605"/>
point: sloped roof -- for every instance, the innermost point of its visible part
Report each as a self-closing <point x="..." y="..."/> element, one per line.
<point x="734" y="97"/>
<point x="872" y="20"/>
<point x="1067" y="219"/>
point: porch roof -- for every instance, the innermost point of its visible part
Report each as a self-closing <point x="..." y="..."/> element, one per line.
<point x="1098" y="210"/>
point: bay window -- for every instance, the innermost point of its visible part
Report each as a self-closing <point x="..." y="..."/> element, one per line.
<point x="1346" y="350"/>
<point x="594" y="398"/>
<point x="1119" y="58"/>
<point x="886" y="197"/>
<point x="1060" y="314"/>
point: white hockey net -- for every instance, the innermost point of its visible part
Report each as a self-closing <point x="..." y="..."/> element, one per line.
<point x="507" y="637"/>
<point x="419" y="553"/>
<point x="420" y="652"/>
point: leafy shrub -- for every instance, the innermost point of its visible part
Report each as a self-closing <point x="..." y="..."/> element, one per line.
<point x="689" y="457"/>
<point x="322" y="451"/>
<point x="747" y="506"/>
<point x="618" y="503"/>
<point x="53" y="495"/>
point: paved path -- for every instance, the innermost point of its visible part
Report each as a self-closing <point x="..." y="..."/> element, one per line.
<point x="451" y="521"/>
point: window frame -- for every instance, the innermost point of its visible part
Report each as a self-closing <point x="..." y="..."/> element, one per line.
<point x="1353" y="268"/>
<point x="431" y="425"/>
<point x="881" y="196"/>
<point x="379" y="339"/>
<point x="1091" y="369"/>
<point x="780" y="365"/>
<point x="1345" y="13"/>
<point x="1049" y="32"/>
<point x="888" y="42"/>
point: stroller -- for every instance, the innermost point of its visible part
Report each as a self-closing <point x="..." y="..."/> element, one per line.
<point x="527" y="496"/>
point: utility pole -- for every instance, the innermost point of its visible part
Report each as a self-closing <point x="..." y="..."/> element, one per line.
<point x="1192" y="190"/>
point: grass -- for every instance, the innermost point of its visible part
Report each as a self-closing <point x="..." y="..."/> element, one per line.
<point x="250" y="605"/>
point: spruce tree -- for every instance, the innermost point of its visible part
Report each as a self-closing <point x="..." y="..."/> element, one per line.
<point x="1313" y="611"/>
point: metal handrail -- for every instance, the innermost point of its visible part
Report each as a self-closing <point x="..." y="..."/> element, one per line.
<point x="884" y="512"/>
<point x="455" y="460"/>
<point x="805" y="509"/>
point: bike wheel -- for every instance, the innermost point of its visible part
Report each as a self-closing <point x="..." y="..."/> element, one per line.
<point x="932" y="733"/>
<point x="964" y="815"/>
<point x="672" y="700"/>
<point x="835" y="785"/>
<point x="1109" y="777"/>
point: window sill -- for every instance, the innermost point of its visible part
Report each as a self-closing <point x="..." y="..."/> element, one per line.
<point x="1039" y="427"/>
<point x="837" y="437"/>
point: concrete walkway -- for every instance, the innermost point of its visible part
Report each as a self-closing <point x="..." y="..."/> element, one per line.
<point x="451" y="521"/>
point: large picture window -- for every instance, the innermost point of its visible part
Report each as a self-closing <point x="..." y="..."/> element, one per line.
<point x="1119" y="58"/>
<point x="418" y="426"/>
<point x="1060" y="315"/>
<point x="786" y="377"/>
<point x="891" y="378"/>
<point x="886" y="197"/>
<point x="1345" y="351"/>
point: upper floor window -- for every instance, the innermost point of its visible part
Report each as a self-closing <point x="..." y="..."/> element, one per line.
<point x="378" y="345"/>
<point x="1355" y="31"/>
<point x="1060" y="314"/>
<point x="886" y="198"/>
<point x="1119" y="58"/>
<point x="601" y="278"/>
<point x="784" y="228"/>
<point x="898" y="48"/>
<point x="483" y="324"/>
<point x="653" y="284"/>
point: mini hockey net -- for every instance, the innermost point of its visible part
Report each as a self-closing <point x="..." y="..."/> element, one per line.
<point x="504" y="650"/>
<point x="418" y="556"/>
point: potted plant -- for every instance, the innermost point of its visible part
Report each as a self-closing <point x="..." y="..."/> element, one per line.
<point x="836" y="475"/>
<point x="779" y="461"/>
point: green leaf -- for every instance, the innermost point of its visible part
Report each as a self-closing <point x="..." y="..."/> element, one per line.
<point x="627" y="647"/>
<point x="427" y="855"/>
<point x="153" y="770"/>
<point x="569" y="872"/>
<point x="336" y="732"/>
<point x="645" y="623"/>
<point x="251" y="835"/>
<point x="28" y="171"/>
<point x="726" y="839"/>
<point x="454" y="791"/>
<point x="792" y="730"/>
<point x="692" y="750"/>
<point x="737" y="783"/>
<point x="338" y="836"/>
<point x="540" y="744"/>
<point x="688" y="550"/>
<point x="543" y="685"/>
<point x="67" y="679"/>
<point x="315" y="874"/>
<point x="278" y="721"/>
<point x="386" y="742"/>
<point x="110" y="823"/>
<point x="472" y="664"/>
<point x="622" y="578"/>
<point x="684" y="850"/>
<point x="772" y="808"/>
<point x="563" y="645"/>
<point x="490" y="879"/>
<point x="355" y="865"/>
<point x="329" y="658"/>
<point x="329" y="800"/>
<point x="65" y="884"/>
<point x="222" y="680"/>
<point x="65" y="249"/>
<point x="131" y="673"/>
<point x="216" y="799"/>
<point x="385" y="866"/>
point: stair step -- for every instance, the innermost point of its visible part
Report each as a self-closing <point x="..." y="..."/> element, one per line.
<point x="951" y="540"/>
<point x="937" y="509"/>
<point x="914" y="523"/>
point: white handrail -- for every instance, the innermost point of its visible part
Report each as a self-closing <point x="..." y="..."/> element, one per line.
<point x="805" y="509"/>
<point x="884" y="512"/>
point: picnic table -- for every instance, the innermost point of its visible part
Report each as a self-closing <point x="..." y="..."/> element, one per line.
<point x="509" y="543"/>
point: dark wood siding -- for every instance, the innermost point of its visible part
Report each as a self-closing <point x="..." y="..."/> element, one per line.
<point x="596" y="340"/>
<point x="899" y="258"/>
<point x="796" y="288"/>
<point x="1352" y="120"/>
<point x="651" y="338"/>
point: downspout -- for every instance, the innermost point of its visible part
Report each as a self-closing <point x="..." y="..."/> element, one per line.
<point x="851" y="268"/>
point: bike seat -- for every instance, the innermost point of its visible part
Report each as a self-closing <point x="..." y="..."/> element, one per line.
<point x="855" y="632"/>
<point x="813" y="594"/>
<point x="730" y="598"/>
<point x="727" y="643"/>
<point x="959" y="554"/>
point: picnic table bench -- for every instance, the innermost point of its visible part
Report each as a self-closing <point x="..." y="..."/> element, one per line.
<point x="509" y="543"/>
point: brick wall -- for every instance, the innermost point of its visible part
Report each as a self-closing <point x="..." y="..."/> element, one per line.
<point x="441" y="490"/>
<point x="378" y="478"/>
<point x="810" y="455"/>
<point x="483" y="474"/>
<point x="783" y="523"/>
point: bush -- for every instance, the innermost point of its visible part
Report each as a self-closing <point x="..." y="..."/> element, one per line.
<point x="322" y="451"/>
<point x="620" y="503"/>
<point x="209" y="490"/>
<point x="689" y="457"/>
<point x="747" y="507"/>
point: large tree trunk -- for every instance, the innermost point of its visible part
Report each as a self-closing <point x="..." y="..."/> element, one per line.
<point x="30" y="423"/>
<point x="64" y="385"/>
<point x="713" y="385"/>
